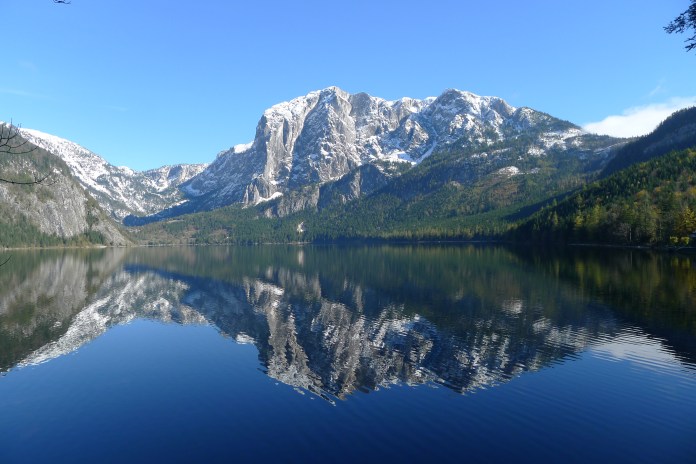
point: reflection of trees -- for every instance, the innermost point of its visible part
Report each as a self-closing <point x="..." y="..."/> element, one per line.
<point x="332" y="321"/>
<point x="333" y="336"/>
<point x="42" y="293"/>
<point x="655" y="291"/>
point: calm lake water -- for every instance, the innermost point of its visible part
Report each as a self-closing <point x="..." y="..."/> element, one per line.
<point x="347" y="354"/>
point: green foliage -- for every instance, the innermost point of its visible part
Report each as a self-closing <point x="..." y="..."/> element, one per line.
<point x="18" y="232"/>
<point x="450" y="196"/>
<point x="647" y="204"/>
<point x="677" y="132"/>
<point x="684" y="22"/>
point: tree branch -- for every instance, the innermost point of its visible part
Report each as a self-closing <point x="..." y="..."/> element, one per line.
<point x="684" y="22"/>
<point x="37" y="180"/>
<point x="12" y="143"/>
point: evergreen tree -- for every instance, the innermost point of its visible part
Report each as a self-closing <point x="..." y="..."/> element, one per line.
<point x="684" y="22"/>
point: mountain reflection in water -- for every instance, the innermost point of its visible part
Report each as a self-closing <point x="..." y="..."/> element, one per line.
<point x="333" y="320"/>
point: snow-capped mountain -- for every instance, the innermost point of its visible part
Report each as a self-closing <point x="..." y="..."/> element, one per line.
<point x="119" y="190"/>
<point x="330" y="147"/>
<point x="54" y="211"/>
<point x="326" y="134"/>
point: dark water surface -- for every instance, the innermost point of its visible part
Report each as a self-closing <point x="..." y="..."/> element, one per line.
<point x="347" y="354"/>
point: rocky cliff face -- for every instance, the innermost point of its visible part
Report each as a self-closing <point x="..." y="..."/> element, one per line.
<point x="119" y="190"/>
<point x="58" y="207"/>
<point x="323" y="136"/>
<point x="313" y="151"/>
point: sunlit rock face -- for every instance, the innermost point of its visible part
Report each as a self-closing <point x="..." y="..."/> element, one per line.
<point x="326" y="135"/>
<point x="41" y="196"/>
<point x="119" y="190"/>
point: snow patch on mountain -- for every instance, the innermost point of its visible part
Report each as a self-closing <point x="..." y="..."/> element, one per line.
<point x="119" y="190"/>
<point x="509" y="171"/>
<point x="322" y="136"/>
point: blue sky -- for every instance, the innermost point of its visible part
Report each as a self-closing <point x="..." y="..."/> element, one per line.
<point x="148" y="83"/>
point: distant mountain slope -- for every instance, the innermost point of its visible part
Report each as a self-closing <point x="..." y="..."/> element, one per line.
<point x="119" y="190"/>
<point x="55" y="212"/>
<point x="676" y="133"/>
<point x="457" y="194"/>
<point x="313" y="141"/>
<point x="645" y="203"/>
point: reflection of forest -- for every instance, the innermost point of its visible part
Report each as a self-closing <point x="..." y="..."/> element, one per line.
<point x="653" y="291"/>
<point x="332" y="320"/>
<point x="42" y="292"/>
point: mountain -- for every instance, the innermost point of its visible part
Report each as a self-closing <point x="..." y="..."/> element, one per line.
<point x="637" y="203"/>
<point x="342" y="165"/>
<point x="56" y="211"/>
<point x="308" y="143"/>
<point x="119" y="190"/>
<point x="675" y="133"/>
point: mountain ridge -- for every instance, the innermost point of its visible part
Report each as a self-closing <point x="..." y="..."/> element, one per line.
<point x="56" y="210"/>
<point x="414" y="161"/>
<point x="316" y="139"/>
<point x="646" y="195"/>
<point x="120" y="190"/>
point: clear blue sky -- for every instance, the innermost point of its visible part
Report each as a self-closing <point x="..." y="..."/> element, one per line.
<point x="148" y="83"/>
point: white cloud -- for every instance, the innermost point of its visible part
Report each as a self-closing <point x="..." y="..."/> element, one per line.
<point x="639" y="120"/>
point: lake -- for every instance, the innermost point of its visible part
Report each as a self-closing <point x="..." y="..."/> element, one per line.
<point x="389" y="353"/>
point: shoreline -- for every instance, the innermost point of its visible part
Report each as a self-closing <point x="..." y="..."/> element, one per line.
<point x="376" y="241"/>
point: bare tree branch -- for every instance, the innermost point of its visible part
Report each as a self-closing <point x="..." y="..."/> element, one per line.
<point x="37" y="180"/>
<point x="12" y="143"/>
<point x="5" y="262"/>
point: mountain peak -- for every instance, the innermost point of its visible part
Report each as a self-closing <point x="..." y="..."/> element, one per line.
<point x="462" y="100"/>
<point x="119" y="190"/>
<point x="319" y="137"/>
<point x="332" y="89"/>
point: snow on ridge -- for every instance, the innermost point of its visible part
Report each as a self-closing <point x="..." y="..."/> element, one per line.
<point x="242" y="147"/>
<point x="320" y="136"/>
<point x="509" y="171"/>
<point x="46" y="141"/>
<point x="272" y="197"/>
<point x="119" y="190"/>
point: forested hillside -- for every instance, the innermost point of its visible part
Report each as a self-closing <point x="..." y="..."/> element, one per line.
<point x="648" y="203"/>
<point x="652" y="202"/>
<point x="675" y="133"/>
<point x="465" y="195"/>
<point x="41" y="204"/>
